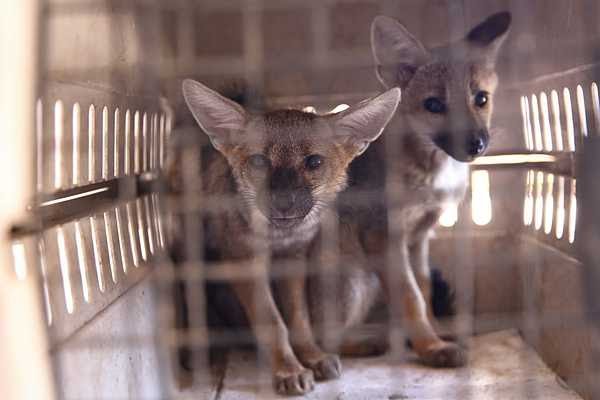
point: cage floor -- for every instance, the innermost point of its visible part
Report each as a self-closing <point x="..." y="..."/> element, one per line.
<point x="501" y="366"/>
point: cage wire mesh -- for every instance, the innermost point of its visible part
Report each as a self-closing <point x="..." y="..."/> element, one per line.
<point x="117" y="236"/>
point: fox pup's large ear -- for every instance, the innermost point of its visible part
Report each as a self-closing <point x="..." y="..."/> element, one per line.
<point x="360" y="125"/>
<point x="397" y="53"/>
<point x="488" y="36"/>
<point x="218" y="116"/>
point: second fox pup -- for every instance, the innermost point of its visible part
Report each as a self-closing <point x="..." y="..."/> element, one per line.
<point x="283" y="169"/>
<point x="442" y="123"/>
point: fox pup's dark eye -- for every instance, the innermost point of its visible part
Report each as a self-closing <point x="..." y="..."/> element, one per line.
<point x="481" y="99"/>
<point x="313" y="162"/>
<point x="434" y="105"/>
<point x="258" y="161"/>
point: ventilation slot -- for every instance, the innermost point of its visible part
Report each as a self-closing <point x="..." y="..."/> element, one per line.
<point x="569" y="119"/>
<point x="98" y="259"/>
<point x="556" y="119"/>
<point x="117" y="144"/>
<point x="128" y="149"/>
<point x="154" y="147"/>
<point x="19" y="260"/>
<point x="162" y="142"/>
<point x="547" y="131"/>
<point x="145" y="144"/>
<point x="572" y="211"/>
<point x="92" y="144"/>
<point x="65" y="270"/>
<point x="481" y="203"/>
<point x="583" y="128"/>
<point x="526" y="123"/>
<point x="132" y="234"/>
<point x="140" y="220"/>
<point x="528" y="203"/>
<point x="595" y="105"/>
<point x="44" y="272"/>
<point x="137" y="142"/>
<point x="82" y="261"/>
<point x="39" y="132"/>
<point x="149" y="225"/>
<point x="59" y="114"/>
<point x="105" y="139"/>
<point x="112" y="259"/>
<point x="560" y="208"/>
<point x="549" y="204"/>
<point x="122" y="238"/>
<point x="76" y="144"/>
<point x="157" y="215"/>
<point x="537" y="128"/>
<point x="449" y="216"/>
<point x="539" y="200"/>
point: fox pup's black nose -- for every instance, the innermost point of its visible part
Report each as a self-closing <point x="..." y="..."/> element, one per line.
<point x="283" y="201"/>
<point x="477" y="144"/>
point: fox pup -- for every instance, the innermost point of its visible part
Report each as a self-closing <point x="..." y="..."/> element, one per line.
<point x="441" y="124"/>
<point x="283" y="169"/>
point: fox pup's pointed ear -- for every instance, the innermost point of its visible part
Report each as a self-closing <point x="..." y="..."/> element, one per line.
<point x="360" y="125"/>
<point x="397" y="53"/>
<point x="488" y="36"/>
<point x="218" y="116"/>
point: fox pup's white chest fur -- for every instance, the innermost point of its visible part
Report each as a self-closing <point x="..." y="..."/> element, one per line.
<point x="450" y="180"/>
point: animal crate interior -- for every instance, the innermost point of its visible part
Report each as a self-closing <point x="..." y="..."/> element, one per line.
<point x="93" y="121"/>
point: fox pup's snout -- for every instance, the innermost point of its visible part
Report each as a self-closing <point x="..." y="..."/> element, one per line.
<point x="288" y="165"/>
<point x="289" y="198"/>
<point x="466" y="147"/>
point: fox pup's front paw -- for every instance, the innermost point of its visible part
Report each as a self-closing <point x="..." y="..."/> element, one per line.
<point x="326" y="367"/>
<point x="444" y="355"/>
<point x="293" y="381"/>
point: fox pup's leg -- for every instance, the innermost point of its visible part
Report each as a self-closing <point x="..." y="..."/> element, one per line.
<point x="419" y="254"/>
<point x="290" y="377"/>
<point x="349" y="295"/>
<point x="294" y="309"/>
<point x="419" y="260"/>
<point x="430" y="348"/>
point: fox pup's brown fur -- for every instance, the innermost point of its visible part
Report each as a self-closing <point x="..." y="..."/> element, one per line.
<point x="442" y="122"/>
<point x="283" y="169"/>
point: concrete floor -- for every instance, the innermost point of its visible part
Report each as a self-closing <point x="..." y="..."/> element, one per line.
<point x="100" y="362"/>
<point x="501" y="366"/>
